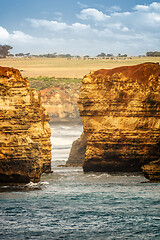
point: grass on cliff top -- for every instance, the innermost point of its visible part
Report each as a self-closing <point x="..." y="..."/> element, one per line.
<point x="41" y="82"/>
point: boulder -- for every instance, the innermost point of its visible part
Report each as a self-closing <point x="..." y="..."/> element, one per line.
<point x="152" y="171"/>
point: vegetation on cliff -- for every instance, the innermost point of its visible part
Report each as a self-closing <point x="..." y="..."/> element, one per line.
<point x="59" y="97"/>
<point x="43" y="82"/>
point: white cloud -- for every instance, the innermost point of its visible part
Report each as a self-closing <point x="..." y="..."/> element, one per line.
<point x="125" y="29"/>
<point x="3" y="34"/>
<point x="151" y="7"/>
<point x="115" y="9"/>
<point x="17" y="39"/>
<point x="155" y="5"/>
<point x="56" y="26"/>
<point x="21" y="37"/>
<point x="50" y="25"/>
<point x="80" y="26"/>
<point x="156" y="17"/>
<point x="93" y="14"/>
<point x="59" y="29"/>
<point x="134" y="32"/>
<point x="16" y="36"/>
<point x="141" y="8"/>
<point x="121" y="14"/>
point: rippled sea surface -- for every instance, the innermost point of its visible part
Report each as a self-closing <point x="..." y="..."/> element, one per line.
<point x="69" y="204"/>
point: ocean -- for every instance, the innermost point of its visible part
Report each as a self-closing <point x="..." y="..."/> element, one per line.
<point x="69" y="204"/>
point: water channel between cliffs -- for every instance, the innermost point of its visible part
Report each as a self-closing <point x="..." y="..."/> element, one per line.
<point x="69" y="204"/>
<point x="62" y="137"/>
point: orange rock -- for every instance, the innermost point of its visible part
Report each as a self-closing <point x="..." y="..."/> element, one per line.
<point x="60" y="102"/>
<point x="120" y="111"/>
<point x="25" y="148"/>
<point x="152" y="171"/>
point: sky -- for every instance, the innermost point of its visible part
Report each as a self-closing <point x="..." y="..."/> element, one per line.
<point x="80" y="27"/>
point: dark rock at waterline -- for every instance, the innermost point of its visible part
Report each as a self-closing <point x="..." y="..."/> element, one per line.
<point x="77" y="153"/>
<point x="152" y="171"/>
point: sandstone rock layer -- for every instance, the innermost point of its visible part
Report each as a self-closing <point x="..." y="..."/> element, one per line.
<point x="60" y="102"/>
<point x="120" y="111"/>
<point x="77" y="153"/>
<point x="25" y="148"/>
<point x="152" y="171"/>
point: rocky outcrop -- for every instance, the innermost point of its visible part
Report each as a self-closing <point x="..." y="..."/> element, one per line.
<point x="120" y="111"/>
<point x="152" y="171"/>
<point x="25" y="148"/>
<point x="77" y="153"/>
<point x="60" y="102"/>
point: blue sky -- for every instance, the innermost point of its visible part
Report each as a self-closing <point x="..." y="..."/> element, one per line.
<point x="80" y="27"/>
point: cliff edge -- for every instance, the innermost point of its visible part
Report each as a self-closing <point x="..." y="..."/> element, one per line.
<point x="120" y="111"/>
<point x="25" y="148"/>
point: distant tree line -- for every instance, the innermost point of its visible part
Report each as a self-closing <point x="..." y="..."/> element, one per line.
<point x="48" y="55"/>
<point x="103" y="55"/>
<point x="153" y="54"/>
<point x="4" y="51"/>
<point x="22" y="54"/>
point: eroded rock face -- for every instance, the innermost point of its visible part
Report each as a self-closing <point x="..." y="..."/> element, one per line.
<point x="152" y="171"/>
<point x="77" y="153"/>
<point x="25" y="148"/>
<point x="60" y="102"/>
<point x="120" y="111"/>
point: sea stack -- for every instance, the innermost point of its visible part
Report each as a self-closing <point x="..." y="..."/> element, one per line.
<point x="77" y="152"/>
<point x="120" y="111"/>
<point x="25" y="148"/>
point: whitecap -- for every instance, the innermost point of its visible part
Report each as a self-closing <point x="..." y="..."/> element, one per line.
<point x="31" y="184"/>
<point x="44" y="183"/>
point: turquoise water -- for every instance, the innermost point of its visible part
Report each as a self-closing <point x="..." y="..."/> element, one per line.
<point x="69" y="204"/>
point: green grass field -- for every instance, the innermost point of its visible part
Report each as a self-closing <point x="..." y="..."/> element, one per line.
<point x="41" y="82"/>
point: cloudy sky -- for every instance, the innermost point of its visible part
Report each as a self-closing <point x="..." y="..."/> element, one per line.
<point x="80" y="27"/>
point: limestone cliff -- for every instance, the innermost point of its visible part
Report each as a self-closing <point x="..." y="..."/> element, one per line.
<point x="25" y="148"/>
<point x="77" y="153"/>
<point x="152" y="170"/>
<point x="120" y="111"/>
<point x="60" y="102"/>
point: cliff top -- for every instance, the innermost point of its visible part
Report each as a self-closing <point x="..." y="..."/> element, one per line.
<point x="140" y="72"/>
<point x="10" y="72"/>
